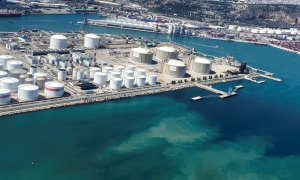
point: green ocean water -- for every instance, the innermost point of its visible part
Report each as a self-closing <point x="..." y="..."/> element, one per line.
<point x="254" y="135"/>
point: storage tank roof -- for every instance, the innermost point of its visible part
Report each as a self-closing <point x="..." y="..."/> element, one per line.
<point x="94" y="69"/>
<point x="129" y="77"/>
<point x="141" y="76"/>
<point x="167" y="48"/>
<point x="100" y="73"/>
<point x="9" y="80"/>
<point x="202" y="60"/>
<point x="58" y="36"/>
<point x="174" y="62"/>
<point x="14" y="62"/>
<point x="4" y="56"/>
<point x="141" y="50"/>
<point x="152" y="75"/>
<point x="5" y="91"/>
<point x="117" y="79"/>
<point x="94" y="36"/>
<point x="54" y="84"/>
<point x="28" y="87"/>
<point x="3" y="73"/>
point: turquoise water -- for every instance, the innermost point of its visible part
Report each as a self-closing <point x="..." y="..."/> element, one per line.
<point x="254" y="135"/>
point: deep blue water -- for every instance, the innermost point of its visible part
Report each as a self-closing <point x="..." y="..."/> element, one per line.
<point x="254" y="135"/>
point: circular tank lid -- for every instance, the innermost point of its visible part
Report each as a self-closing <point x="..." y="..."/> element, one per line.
<point x="4" y="56"/>
<point x="202" y="60"/>
<point x="152" y="75"/>
<point x="54" y="84"/>
<point x="142" y="77"/>
<point x="100" y="74"/>
<point x="39" y="74"/>
<point x="5" y="91"/>
<point x="14" y="62"/>
<point x="58" y="36"/>
<point x="28" y="87"/>
<point x="94" y="36"/>
<point x="95" y="69"/>
<point x="108" y="68"/>
<point x="140" y="50"/>
<point x="115" y="73"/>
<point x="3" y="73"/>
<point x="117" y="79"/>
<point x="174" y="62"/>
<point x="9" y="80"/>
<point x="130" y="78"/>
<point x="167" y="49"/>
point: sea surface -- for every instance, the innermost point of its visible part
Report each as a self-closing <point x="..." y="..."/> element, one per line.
<point x="254" y="135"/>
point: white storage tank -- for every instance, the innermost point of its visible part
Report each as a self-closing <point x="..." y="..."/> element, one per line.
<point x="114" y="74"/>
<point x="152" y="79"/>
<point x="12" y="65"/>
<point x="32" y="70"/>
<point x="40" y="82"/>
<point x="139" y="72"/>
<point x="129" y="82"/>
<point x="141" y="55"/>
<point x="17" y="72"/>
<point x="116" y="84"/>
<point x="119" y="68"/>
<point x="5" y="96"/>
<point x="128" y="73"/>
<point x="165" y="53"/>
<point x="107" y="69"/>
<point x="80" y="75"/>
<point x="91" y="41"/>
<point x="93" y="70"/>
<point x="9" y="83"/>
<point x="62" y="75"/>
<point x="174" y="68"/>
<point x="201" y="65"/>
<point x="38" y="74"/>
<point x="28" y="92"/>
<point x="74" y="74"/>
<point x="54" y="89"/>
<point x="4" y="59"/>
<point x="29" y="81"/>
<point x="130" y="67"/>
<point x="3" y="74"/>
<point x="100" y="78"/>
<point x="141" y="80"/>
<point x="58" y="42"/>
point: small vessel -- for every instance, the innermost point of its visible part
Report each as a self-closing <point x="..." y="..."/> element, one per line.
<point x="196" y="98"/>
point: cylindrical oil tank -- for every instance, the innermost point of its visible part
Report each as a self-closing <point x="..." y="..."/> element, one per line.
<point x="152" y="79"/>
<point x="100" y="78"/>
<point x="93" y="70"/>
<point x="74" y="74"/>
<point x="164" y="53"/>
<point x="32" y="70"/>
<point x="3" y="74"/>
<point x="128" y="73"/>
<point x="174" y="68"/>
<point x="17" y="72"/>
<point x="58" y="42"/>
<point x="114" y="74"/>
<point x="130" y="67"/>
<point x="141" y="55"/>
<point x="1" y="67"/>
<point x="119" y="68"/>
<point x="38" y="74"/>
<point x="9" y="83"/>
<point x="80" y="75"/>
<point x="53" y="89"/>
<point x="141" y="80"/>
<point x="5" y="96"/>
<point x="29" y="81"/>
<point x="116" y="83"/>
<point x="62" y="74"/>
<point x="28" y="92"/>
<point x="69" y="70"/>
<point x="4" y="59"/>
<point x="129" y="82"/>
<point x="12" y="65"/>
<point x="139" y="72"/>
<point x="201" y="65"/>
<point x="22" y="79"/>
<point x="107" y="69"/>
<point x="91" y="41"/>
<point x="40" y="82"/>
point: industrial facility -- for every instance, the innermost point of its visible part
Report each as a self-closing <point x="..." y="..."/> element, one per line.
<point x="78" y="65"/>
